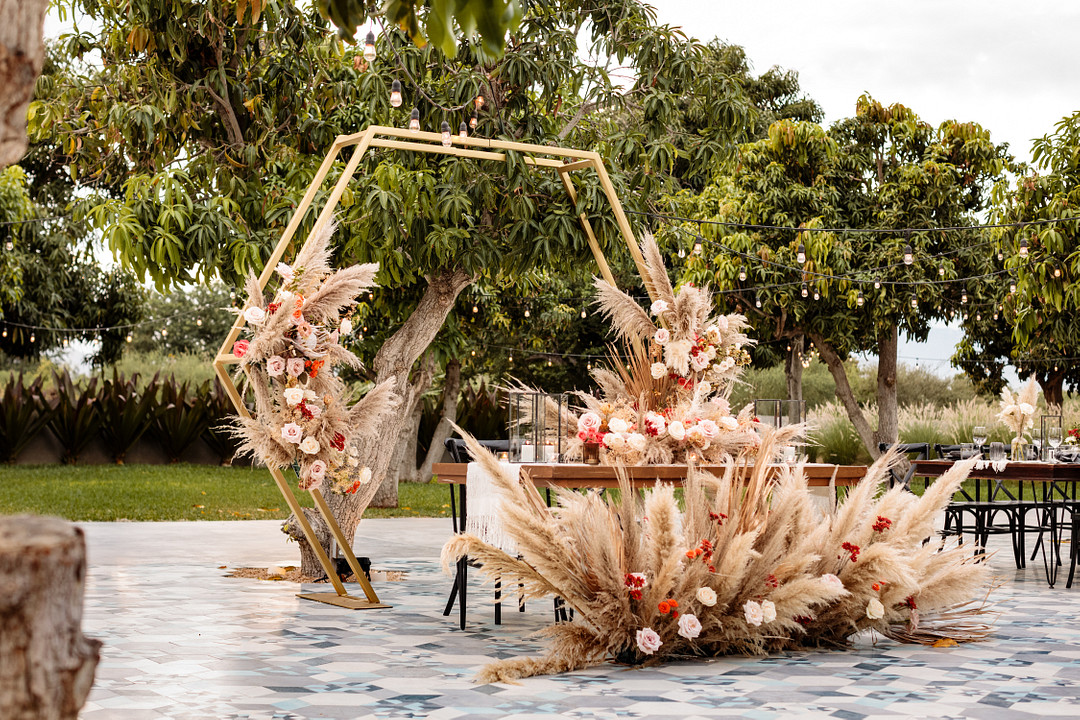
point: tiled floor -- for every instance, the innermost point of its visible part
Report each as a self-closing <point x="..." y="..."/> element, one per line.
<point x="184" y="641"/>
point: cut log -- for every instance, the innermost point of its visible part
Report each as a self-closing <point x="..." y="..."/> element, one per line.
<point x="46" y="663"/>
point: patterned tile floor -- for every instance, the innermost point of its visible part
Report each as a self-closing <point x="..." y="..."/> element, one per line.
<point x="184" y="641"/>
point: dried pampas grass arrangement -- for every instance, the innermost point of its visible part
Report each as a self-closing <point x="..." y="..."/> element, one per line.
<point x="749" y="567"/>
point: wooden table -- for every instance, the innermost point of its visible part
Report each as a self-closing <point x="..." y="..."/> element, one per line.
<point x="1055" y="498"/>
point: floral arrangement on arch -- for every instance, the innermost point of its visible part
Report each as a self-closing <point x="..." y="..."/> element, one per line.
<point x="748" y="568"/>
<point x="1018" y="412"/>
<point x="668" y="401"/>
<point x="302" y="416"/>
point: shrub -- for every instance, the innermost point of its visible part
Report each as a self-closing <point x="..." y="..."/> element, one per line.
<point x="219" y="409"/>
<point x="833" y="438"/>
<point x="183" y="367"/>
<point x="126" y="411"/>
<point x="75" y="420"/>
<point x="183" y="417"/>
<point x="23" y="413"/>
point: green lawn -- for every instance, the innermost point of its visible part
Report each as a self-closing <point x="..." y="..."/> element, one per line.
<point x="174" y="492"/>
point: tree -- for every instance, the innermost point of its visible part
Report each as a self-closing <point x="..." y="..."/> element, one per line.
<point x="200" y="132"/>
<point x="22" y="53"/>
<point x="189" y="320"/>
<point x="1039" y="332"/>
<point x="883" y="169"/>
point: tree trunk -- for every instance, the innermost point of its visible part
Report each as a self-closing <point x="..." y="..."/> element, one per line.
<point x="450" y="395"/>
<point x="888" y="430"/>
<point x="793" y="368"/>
<point x="46" y="663"/>
<point x="22" y="55"/>
<point x="412" y="410"/>
<point x="846" y="394"/>
<point x="394" y="360"/>
<point x="1052" y="384"/>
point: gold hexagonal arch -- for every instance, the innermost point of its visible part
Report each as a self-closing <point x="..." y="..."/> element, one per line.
<point x="562" y="160"/>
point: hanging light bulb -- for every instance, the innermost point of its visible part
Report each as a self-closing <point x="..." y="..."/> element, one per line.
<point x="414" y="120"/>
<point x="479" y="101"/>
<point x="1057" y="272"/>
<point x="877" y="284"/>
<point x="369" y="47"/>
<point x="129" y="338"/>
<point x="583" y="315"/>
<point x="995" y="316"/>
<point x="164" y="332"/>
<point x="511" y="358"/>
<point x="1001" y="256"/>
<point x="801" y="257"/>
<point x="682" y="253"/>
<point x="805" y="291"/>
<point x="817" y="296"/>
<point x="588" y="366"/>
<point x="32" y="338"/>
<point x="941" y="271"/>
<point x="4" y="333"/>
<point x="1012" y="286"/>
<point x="463" y="130"/>
<point x="914" y="300"/>
<point x="473" y="120"/>
<point x="549" y="362"/>
<point x="475" y="308"/>
<point x="978" y="317"/>
<point x="395" y="93"/>
<point x="859" y="299"/>
<point x="909" y="256"/>
<point x="1023" y="247"/>
<point x="198" y="321"/>
<point x="757" y="300"/>
<point x="9" y="246"/>
<point x="742" y="274"/>
<point x="64" y="342"/>
<point x="446" y="138"/>
<point x="963" y="298"/>
<point x="697" y="248"/>
<point x="474" y="353"/>
<point x="527" y="313"/>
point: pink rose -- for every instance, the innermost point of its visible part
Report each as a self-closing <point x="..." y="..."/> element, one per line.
<point x="589" y="421"/>
<point x="832" y="582"/>
<point x="285" y="271"/>
<point x="710" y="428"/>
<point x="753" y="613"/>
<point x="291" y="432"/>
<point x="317" y="470"/>
<point x="648" y="641"/>
<point x="689" y="626"/>
<point x="699" y="362"/>
<point x="304" y="329"/>
<point x="240" y="348"/>
<point x="294" y="367"/>
<point x="662" y="336"/>
<point x="315" y="410"/>
<point x="275" y="366"/>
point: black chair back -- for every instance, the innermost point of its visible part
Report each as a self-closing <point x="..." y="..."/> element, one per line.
<point x="914" y="451"/>
<point x="460" y="454"/>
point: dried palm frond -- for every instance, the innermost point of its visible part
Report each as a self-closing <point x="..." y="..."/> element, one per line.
<point x="627" y="318"/>
<point x="312" y="263"/>
<point x="339" y="290"/>
<point x="656" y="277"/>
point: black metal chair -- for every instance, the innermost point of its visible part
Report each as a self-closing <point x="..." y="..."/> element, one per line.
<point x="914" y="451"/>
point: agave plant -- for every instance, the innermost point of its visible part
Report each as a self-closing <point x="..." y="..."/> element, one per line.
<point x="75" y="420"/>
<point x="126" y="412"/>
<point x="183" y="417"/>
<point x="23" y="413"/>
<point x="218" y="435"/>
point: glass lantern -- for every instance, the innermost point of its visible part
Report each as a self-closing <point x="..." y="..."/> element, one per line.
<point x="1052" y="436"/>
<point x="779" y="413"/>
<point x="538" y="426"/>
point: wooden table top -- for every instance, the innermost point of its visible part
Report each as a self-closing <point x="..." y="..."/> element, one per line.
<point x="577" y="475"/>
<point x="1026" y="471"/>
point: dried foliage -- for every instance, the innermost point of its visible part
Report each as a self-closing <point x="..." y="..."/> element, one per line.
<point x="750" y="567"/>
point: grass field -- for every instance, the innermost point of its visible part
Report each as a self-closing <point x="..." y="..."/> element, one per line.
<point x="174" y="492"/>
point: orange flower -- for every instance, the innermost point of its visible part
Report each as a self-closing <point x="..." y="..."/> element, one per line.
<point x="665" y="607"/>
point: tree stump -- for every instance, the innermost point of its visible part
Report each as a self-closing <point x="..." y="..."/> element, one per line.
<point x="46" y="663"/>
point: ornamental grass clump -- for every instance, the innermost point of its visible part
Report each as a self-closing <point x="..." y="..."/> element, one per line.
<point x="302" y="416"/>
<point x="749" y="568"/>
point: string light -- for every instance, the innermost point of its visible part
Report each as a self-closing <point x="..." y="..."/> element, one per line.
<point x="1057" y="272"/>
<point x="697" y="248"/>
<point x="474" y="353"/>
<point x="395" y="94"/>
<point x="1023" y="247"/>
<point x="963" y="298"/>
<point x="198" y="321"/>
<point x="479" y="101"/>
<point x="859" y="299"/>
<point x="801" y="257"/>
<point x="129" y="337"/>
<point x="473" y="120"/>
<point x="527" y="313"/>
<point x="32" y="338"/>
<point x="1001" y="256"/>
<point x="4" y="334"/>
<point x="583" y="315"/>
<point x="742" y="274"/>
<point x="877" y="284"/>
<point x="941" y="271"/>
<point x="369" y="47"/>
<point x="549" y="362"/>
<point x="909" y="256"/>
<point x="1012" y="286"/>
<point x="817" y="295"/>
<point x="475" y="308"/>
<point x="463" y="130"/>
<point x="9" y="245"/>
<point x="757" y="300"/>
<point x="805" y="291"/>
<point x="446" y="138"/>
<point x="914" y="300"/>
<point x="414" y="120"/>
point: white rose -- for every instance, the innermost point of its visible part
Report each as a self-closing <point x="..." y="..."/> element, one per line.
<point x="729" y="423"/>
<point x="291" y="432"/>
<point x="255" y="315"/>
<point x="704" y="388"/>
<point x="710" y="428"/>
<point x="695" y="435"/>
<point x="365" y="475"/>
<point x="309" y="394"/>
<point x="874" y="609"/>
<point x="655" y="422"/>
<point x="768" y="611"/>
<point x="285" y="271"/>
<point x="317" y="470"/>
<point x="614" y="441"/>
<point x="712" y="334"/>
<point x="618" y="425"/>
<point x="753" y="613"/>
<point x="648" y="641"/>
<point x="589" y="421"/>
<point x="275" y="366"/>
<point x="315" y="410"/>
<point x="636" y="441"/>
<point x="294" y="395"/>
<point x="662" y="336"/>
<point x="346" y="326"/>
<point x="659" y="307"/>
<point x="676" y="430"/>
<point x="310" y="445"/>
<point x="689" y="626"/>
<point x="832" y="582"/>
<point x="699" y="362"/>
<point x="658" y="370"/>
<point x="706" y="596"/>
<point x="710" y="352"/>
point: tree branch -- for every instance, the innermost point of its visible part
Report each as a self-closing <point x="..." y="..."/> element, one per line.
<point x="845" y="393"/>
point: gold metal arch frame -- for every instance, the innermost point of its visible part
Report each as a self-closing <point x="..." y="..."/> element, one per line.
<point x="562" y="160"/>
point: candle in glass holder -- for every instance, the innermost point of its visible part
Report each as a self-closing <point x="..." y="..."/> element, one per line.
<point x="549" y="452"/>
<point x="528" y="452"/>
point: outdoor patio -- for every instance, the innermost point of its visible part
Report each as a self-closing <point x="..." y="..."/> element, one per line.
<point x="183" y="640"/>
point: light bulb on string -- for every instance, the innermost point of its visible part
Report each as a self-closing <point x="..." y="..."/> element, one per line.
<point x="978" y="317"/>
<point x="909" y="256"/>
<point x="817" y="295"/>
<point x="697" y="248"/>
<point x="1023" y="247"/>
<point x="995" y="316"/>
<point x="369" y="47"/>
<point x="474" y="353"/>
<point x="1012" y="285"/>
<point x="447" y="140"/>
<point x="463" y="130"/>
<point x="941" y="271"/>
<point x="527" y="313"/>
<point x="4" y="333"/>
<point x="757" y="301"/>
<point x="473" y="121"/>
<point x="801" y="257"/>
<point x="1001" y="256"/>
<point x="129" y="338"/>
<point x="198" y="321"/>
<point x="877" y="284"/>
<point x="475" y="308"/>
<point x="914" y="300"/>
<point x="32" y="338"/>
<point x="742" y="274"/>
<point x="479" y="101"/>
<point x="588" y="366"/>
<point x="963" y="298"/>
<point x="9" y="246"/>
<point x="1057" y="272"/>
<point x="859" y="301"/>
<point x="805" y="291"/>
<point x="395" y="94"/>
<point x="511" y="358"/>
<point x="682" y="253"/>
<point x="549" y="362"/>
<point x="583" y="314"/>
<point x="414" y="120"/>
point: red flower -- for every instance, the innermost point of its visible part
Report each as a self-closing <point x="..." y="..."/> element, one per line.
<point x="853" y="549"/>
<point x="338" y="443"/>
<point x="876" y="586"/>
<point x="305" y="412"/>
<point x="240" y="348"/>
<point x="910" y="602"/>
<point x="882" y="524"/>
<point x="803" y="620"/>
<point x="272" y="308"/>
<point x="772" y="582"/>
<point x="665" y="608"/>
